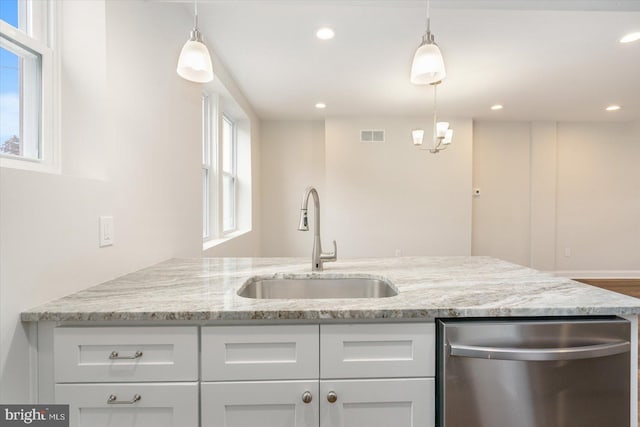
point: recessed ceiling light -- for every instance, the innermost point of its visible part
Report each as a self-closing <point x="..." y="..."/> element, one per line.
<point x="321" y="105"/>
<point x="497" y="107"/>
<point x="631" y="37"/>
<point x="613" y="108"/>
<point x="325" y="33"/>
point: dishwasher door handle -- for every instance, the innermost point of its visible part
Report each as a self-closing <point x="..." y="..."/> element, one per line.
<point x="539" y="354"/>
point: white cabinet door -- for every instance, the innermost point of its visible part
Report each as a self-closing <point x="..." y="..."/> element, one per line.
<point x="260" y="403"/>
<point x="407" y="402"/>
<point x="159" y="404"/>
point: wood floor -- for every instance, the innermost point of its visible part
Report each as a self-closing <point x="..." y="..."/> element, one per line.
<point x="624" y="286"/>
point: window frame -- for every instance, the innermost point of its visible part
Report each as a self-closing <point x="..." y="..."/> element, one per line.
<point x="233" y="174"/>
<point x="39" y="34"/>
<point x="207" y="167"/>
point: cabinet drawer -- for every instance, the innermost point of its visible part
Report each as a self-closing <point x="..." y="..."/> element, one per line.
<point x="159" y="404"/>
<point x="109" y="354"/>
<point x="259" y="352"/>
<point x="377" y="350"/>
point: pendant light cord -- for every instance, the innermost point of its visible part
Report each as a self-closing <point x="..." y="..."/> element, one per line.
<point x="428" y="16"/>
<point x="435" y="109"/>
<point x="195" y="24"/>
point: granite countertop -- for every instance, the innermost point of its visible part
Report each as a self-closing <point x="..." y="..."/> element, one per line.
<point x="429" y="287"/>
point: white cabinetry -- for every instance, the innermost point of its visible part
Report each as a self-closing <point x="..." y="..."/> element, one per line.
<point x="160" y="404"/>
<point x="119" y="377"/>
<point x="390" y="369"/>
<point x="370" y="375"/>
<point x="260" y="403"/>
<point x="406" y="402"/>
<point x="338" y="375"/>
<point x="260" y="376"/>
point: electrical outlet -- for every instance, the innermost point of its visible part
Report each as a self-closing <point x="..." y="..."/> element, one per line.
<point x="106" y="231"/>
<point x="567" y="252"/>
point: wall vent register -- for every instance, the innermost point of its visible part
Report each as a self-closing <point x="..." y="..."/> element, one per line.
<point x="372" y="135"/>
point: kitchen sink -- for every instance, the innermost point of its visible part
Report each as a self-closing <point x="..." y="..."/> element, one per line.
<point x="316" y="287"/>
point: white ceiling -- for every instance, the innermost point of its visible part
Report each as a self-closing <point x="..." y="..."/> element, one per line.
<point x="543" y="60"/>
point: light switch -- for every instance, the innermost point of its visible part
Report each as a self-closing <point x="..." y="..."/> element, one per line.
<point x="106" y="231"/>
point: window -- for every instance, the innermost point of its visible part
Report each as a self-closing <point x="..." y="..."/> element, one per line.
<point x="226" y="169"/>
<point x="26" y="83"/>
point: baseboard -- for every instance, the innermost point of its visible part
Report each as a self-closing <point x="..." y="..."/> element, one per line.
<point x="597" y="274"/>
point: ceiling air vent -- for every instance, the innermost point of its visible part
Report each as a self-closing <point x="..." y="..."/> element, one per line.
<point x="372" y="135"/>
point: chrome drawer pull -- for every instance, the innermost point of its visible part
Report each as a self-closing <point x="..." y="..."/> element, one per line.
<point x="114" y="355"/>
<point x="113" y="400"/>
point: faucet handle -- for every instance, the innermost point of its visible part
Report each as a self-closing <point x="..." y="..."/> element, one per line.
<point x="331" y="256"/>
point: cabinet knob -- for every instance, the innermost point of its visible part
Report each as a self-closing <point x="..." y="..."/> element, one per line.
<point x="307" y="397"/>
<point x="332" y="397"/>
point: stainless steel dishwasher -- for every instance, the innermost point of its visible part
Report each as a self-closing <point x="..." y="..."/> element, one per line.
<point x="534" y="372"/>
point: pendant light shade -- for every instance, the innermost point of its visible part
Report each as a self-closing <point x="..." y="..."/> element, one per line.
<point x="417" y="136"/>
<point x="428" y="65"/>
<point x="194" y="63"/>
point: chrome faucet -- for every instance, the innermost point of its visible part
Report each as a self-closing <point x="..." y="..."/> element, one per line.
<point x="317" y="257"/>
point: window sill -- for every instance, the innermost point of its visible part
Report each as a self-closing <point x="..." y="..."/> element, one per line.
<point x="208" y="244"/>
<point x="29" y="165"/>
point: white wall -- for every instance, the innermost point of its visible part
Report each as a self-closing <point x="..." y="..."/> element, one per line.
<point x="561" y="197"/>
<point x="501" y="220"/>
<point x="292" y="159"/>
<point x="383" y="197"/>
<point x="598" y="217"/>
<point x="375" y="198"/>
<point x="131" y="148"/>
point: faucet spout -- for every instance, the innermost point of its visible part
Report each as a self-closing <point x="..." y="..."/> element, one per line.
<point x="317" y="256"/>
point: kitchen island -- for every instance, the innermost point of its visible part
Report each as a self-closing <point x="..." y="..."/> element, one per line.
<point x="177" y="336"/>
<point x="429" y="287"/>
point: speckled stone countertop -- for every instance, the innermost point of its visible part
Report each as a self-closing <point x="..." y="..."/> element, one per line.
<point x="429" y="287"/>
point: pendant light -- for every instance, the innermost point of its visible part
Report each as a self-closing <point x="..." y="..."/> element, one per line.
<point x="194" y="63"/>
<point x="428" y="65"/>
<point x="442" y="133"/>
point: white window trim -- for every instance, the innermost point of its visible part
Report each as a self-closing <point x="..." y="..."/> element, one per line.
<point x="233" y="174"/>
<point x="44" y="24"/>
<point x="208" y="166"/>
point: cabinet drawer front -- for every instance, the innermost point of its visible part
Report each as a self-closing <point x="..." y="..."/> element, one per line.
<point x="109" y="354"/>
<point x="259" y="352"/>
<point x="159" y="405"/>
<point x="407" y="402"/>
<point x="260" y="403"/>
<point x="377" y="350"/>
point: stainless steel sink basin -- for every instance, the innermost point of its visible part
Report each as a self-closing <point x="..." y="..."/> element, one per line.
<point x="316" y="287"/>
